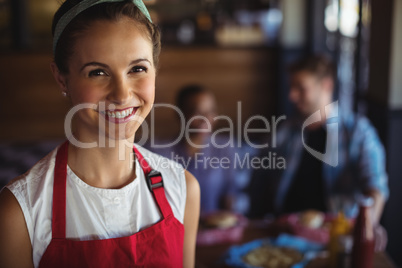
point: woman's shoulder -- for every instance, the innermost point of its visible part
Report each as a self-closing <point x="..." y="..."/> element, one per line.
<point x="30" y="191"/>
<point x="14" y="233"/>
<point x="174" y="180"/>
<point x="29" y="187"/>
<point x="36" y="173"/>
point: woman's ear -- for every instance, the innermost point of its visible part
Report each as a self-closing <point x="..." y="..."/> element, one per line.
<point x="59" y="77"/>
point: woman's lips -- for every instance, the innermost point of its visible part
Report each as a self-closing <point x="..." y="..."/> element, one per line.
<point x="119" y="115"/>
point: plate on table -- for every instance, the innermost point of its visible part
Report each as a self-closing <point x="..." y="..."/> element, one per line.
<point x="286" y="251"/>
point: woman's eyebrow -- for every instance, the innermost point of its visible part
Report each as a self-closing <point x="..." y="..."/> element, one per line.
<point x="139" y="60"/>
<point x="94" y="63"/>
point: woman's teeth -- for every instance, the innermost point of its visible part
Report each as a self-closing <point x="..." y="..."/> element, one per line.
<point x="120" y="114"/>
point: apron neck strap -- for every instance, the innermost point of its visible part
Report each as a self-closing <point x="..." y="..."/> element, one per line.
<point x="59" y="193"/>
<point x="154" y="181"/>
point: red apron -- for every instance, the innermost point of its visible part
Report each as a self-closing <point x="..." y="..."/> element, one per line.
<point x="160" y="245"/>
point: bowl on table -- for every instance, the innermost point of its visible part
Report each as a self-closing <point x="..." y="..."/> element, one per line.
<point x="312" y="225"/>
<point x="220" y="227"/>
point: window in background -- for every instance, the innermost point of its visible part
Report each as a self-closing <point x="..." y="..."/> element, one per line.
<point x="362" y="57"/>
<point x="347" y="24"/>
<point x="331" y="23"/>
<point x="348" y="20"/>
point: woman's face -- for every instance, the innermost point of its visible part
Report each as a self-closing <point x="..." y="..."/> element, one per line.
<point x="111" y="67"/>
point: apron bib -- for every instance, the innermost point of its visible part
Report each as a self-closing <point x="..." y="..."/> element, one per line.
<point x="160" y="245"/>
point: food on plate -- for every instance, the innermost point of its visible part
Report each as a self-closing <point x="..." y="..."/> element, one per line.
<point x="312" y="219"/>
<point x="273" y="257"/>
<point x="222" y="219"/>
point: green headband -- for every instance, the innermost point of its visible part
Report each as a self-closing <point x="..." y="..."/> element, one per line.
<point x="81" y="6"/>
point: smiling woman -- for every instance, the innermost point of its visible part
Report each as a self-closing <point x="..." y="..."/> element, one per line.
<point x="94" y="206"/>
<point x="118" y="72"/>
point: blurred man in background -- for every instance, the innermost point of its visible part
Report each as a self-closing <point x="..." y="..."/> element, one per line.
<point x="348" y="159"/>
<point x="200" y="151"/>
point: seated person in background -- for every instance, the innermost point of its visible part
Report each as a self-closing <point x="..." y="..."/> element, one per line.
<point x="343" y="169"/>
<point x="197" y="152"/>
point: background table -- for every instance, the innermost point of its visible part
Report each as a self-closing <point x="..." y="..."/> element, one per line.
<point x="210" y="256"/>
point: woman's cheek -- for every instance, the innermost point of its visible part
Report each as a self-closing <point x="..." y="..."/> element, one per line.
<point x="85" y="93"/>
<point x="147" y="92"/>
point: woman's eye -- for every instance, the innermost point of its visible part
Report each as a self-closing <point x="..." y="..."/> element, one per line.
<point x="97" y="72"/>
<point x="138" y="69"/>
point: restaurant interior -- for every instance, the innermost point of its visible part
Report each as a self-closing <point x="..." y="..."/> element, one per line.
<point x="240" y="51"/>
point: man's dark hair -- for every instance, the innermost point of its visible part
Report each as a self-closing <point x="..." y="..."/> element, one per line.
<point x="186" y="93"/>
<point x="319" y="65"/>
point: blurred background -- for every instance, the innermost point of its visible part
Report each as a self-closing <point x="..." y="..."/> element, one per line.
<point x="239" y="50"/>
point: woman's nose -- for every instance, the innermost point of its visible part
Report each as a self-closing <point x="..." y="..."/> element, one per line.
<point x="120" y="92"/>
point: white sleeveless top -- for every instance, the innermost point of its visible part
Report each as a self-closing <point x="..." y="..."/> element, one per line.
<point x="94" y="213"/>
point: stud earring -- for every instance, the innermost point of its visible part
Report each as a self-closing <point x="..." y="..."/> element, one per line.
<point x="64" y="94"/>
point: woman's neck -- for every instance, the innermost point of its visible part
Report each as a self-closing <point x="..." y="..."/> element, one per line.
<point x="104" y="167"/>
